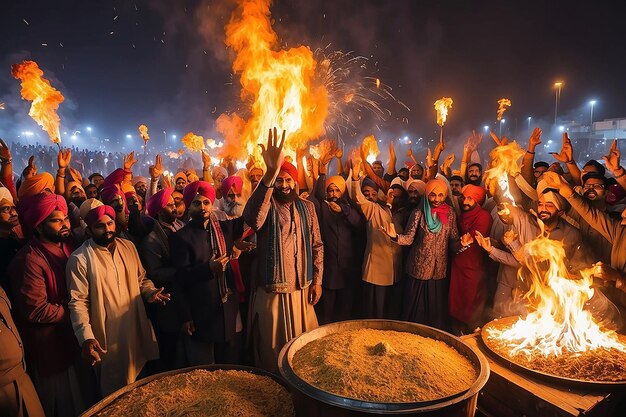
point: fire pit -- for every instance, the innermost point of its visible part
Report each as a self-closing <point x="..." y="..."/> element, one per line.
<point x="599" y="368"/>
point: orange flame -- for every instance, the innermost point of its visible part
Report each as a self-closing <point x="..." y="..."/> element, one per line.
<point x="278" y="82"/>
<point x="192" y="142"/>
<point x="143" y="131"/>
<point x="45" y="98"/>
<point x="377" y="82"/>
<point x="504" y="163"/>
<point x="559" y="321"/>
<point x="371" y="148"/>
<point x="441" y="106"/>
<point x="503" y="103"/>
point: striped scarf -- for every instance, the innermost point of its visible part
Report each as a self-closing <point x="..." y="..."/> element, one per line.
<point x="218" y="244"/>
<point x="275" y="279"/>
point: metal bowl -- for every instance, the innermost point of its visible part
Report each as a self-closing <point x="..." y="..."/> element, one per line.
<point x="312" y="401"/>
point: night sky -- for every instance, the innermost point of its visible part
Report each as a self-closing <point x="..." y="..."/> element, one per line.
<point x="164" y="63"/>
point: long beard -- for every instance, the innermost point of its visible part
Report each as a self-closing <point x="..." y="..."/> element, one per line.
<point x="283" y="198"/>
<point x="234" y="209"/>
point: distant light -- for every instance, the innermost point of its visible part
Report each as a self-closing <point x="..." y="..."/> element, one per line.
<point x="503" y="121"/>
<point x="28" y="133"/>
<point x="592" y="102"/>
<point x="406" y="138"/>
<point x="550" y="142"/>
<point x="129" y="136"/>
<point x="561" y="128"/>
<point x="529" y="118"/>
<point x="88" y="128"/>
<point x="173" y="136"/>
<point x="74" y="137"/>
<point x="486" y="128"/>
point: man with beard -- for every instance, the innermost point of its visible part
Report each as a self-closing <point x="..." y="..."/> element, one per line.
<point x="232" y="203"/>
<point x="403" y="174"/>
<point x="181" y="208"/>
<point x="416" y="190"/>
<point x="468" y="289"/>
<point x="91" y="191"/>
<point x="201" y="252"/>
<point x="154" y="252"/>
<point x="417" y="172"/>
<point x="255" y="174"/>
<point x="141" y="186"/>
<point x="106" y="283"/>
<point x="456" y="185"/>
<point x="180" y="181"/>
<point x="474" y="174"/>
<point x="10" y="243"/>
<point x="431" y="232"/>
<point x="113" y="197"/>
<point x="341" y="226"/>
<point x="382" y="260"/>
<point x="40" y="293"/>
<point x="290" y="258"/>
<point x="75" y="196"/>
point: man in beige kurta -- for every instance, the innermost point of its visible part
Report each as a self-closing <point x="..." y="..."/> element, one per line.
<point x="106" y="282"/>
<point x="286" y="286"/>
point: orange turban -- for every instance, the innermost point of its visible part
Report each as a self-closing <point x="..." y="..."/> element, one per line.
<point x="474" y="191"/>
<point x="437" y="186"/>
<point x="36" y="185"/>
<point x="338" y="181"/>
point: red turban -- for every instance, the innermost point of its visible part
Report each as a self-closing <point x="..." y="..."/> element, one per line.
<point x="474" y="191"/>
<point x="158" y="201"/>
<point x="36" y="185"/>
<point x="96" y="213"/>
<point x="198" y="187"/>
<point x="232" y="181"/>
<point x="109" y="193"/>
<point x="289" y="169"/>
<point x="115" y="177"/>
<point x="40" y="207"/>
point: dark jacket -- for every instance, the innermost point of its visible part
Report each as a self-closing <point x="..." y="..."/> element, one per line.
<point x="191" y="252"/>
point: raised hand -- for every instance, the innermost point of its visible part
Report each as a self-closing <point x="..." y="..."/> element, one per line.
<point x="31" y="168"/>
<point x="272" y="154"/>
<point x="206" y="160"/>
<point x="554" y="180"/>
<point x="5" y="152"/>
<point x="429" y="158"/>
<point x="441" y="145"/>
<point x="330" y="153"/>
<point x="392" y="152"/>
<point x="64" y="157"/>
<point x="567" y="152"/>
<point x="447" y="163"/>
<point x="612" y="159"/>
<point x="356" y="169"/>
<point x="157" y="169"/>
<point x="535" y="138"/>
<point x="129" y="161"/>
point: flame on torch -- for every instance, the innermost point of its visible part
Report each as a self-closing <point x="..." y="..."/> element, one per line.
<point x="503" y="104"/>
<point x="143" y="132"/>
<point x="371" y="148"/>
<point x="192" y="142"/>
<point x="504" y="162"/>
<point x="279" y="83"/>
<point x="45" y="98"/>
<point x="441" y="106"/>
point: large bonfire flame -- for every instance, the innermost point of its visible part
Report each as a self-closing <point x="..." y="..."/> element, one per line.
<point x="279" y="82"/>
<point x="45" y="98"/>
<point x="559" y="322"/>
<point x="441" y="106"/>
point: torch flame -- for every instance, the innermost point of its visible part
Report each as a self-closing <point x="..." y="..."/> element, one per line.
<point x="45" y="98"/>
<point x="503" y="103"/>
<point x="504" y="162"/>
<point x="377" y="82"/>
<point x="278" y="82"/>
<point x="192" y="142"/>
<point x="559" y="321"/>
<point x="442" y="105"/>
<point x="371" y="148"/>
<point x="143" y="131"/>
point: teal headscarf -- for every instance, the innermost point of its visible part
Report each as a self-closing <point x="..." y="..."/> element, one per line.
<point x="432" y="222"/>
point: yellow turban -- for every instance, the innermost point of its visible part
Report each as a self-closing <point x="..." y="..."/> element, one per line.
<point x="437" y="186"/>
<point x="36" y="185"/>
<point x="338" y="181"/>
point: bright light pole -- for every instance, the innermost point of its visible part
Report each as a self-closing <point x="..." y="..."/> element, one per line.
<point x="591" y="103"/>
<point x="557" y="97"/>
<point x="529" y="119"/>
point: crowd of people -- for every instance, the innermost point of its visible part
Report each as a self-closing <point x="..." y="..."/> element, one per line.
<point x="108" y="276"/>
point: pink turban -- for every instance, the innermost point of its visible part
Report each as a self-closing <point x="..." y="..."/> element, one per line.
<point x="115" y="177"/>
<point x="436" y="185"/>
<point x="289" y="169"/>
<point x="140" y="180"/>
<point x="232" y="181"/>
<point x="36" y="185"/>
<point x="96" y="213"/>
<point x="219" y="170"/>
<point x="338" y="181"/>
<point x="158" y="201"/>
<point x="474" y="191"/>
<point x="198" y="187"/>
<point x="40" y="207"/>
<point x="109" y="192"/>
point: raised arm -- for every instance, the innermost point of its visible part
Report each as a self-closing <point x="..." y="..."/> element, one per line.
<point x="612" y="162"/>
<point x="566" y="156"/>
<point x="63" y="161"/>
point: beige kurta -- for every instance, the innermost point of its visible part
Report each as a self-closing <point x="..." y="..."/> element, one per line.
<point x="105" y="304"/>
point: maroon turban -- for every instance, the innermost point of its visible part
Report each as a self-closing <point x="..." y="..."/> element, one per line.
<point x="474" y="191"/>
<point x="109" y="193"/>
<point x="289" y="169"/>
<point x="198" y="187"/>
<point x="158" y="201"/>
<point x="97" y="212"/>
<point x="115" y="177"/>
<point x="232" y="181"/>
<point x="40" y="207"/>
